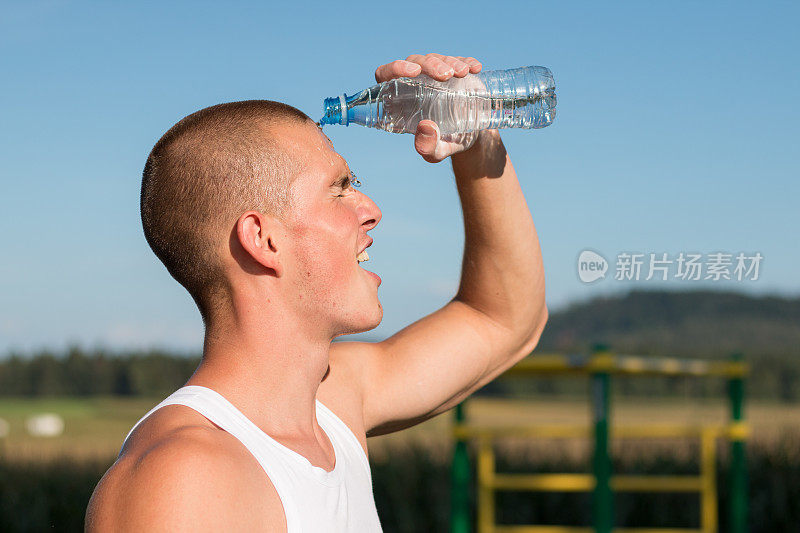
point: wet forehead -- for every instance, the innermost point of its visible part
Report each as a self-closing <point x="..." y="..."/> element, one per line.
<point x="327" y="150"/>
<point x="318" y="163"/>
<point x="327" y="139"/>
<point x="317" y="149"/>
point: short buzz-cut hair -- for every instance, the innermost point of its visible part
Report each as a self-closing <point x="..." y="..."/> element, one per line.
<point x="206" y="171"/>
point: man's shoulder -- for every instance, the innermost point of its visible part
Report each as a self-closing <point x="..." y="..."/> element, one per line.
<point x="177" y="472"/>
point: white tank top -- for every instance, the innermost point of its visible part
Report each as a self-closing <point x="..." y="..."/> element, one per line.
<point x="313" y="500"/>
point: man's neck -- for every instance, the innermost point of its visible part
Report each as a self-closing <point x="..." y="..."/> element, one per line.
<point x="269" y="368"/>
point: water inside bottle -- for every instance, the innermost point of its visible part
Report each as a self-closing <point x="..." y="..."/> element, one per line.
<point x="516" y="98"/>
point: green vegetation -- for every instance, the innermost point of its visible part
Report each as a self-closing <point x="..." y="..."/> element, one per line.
<point x="81" y="373"/>
<point x="700" y="324"/>
<point x="412" y="493"/>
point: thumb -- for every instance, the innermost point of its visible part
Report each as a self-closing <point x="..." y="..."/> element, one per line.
<point x="426" y="139"/>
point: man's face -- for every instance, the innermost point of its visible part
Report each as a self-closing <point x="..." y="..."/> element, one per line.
<point x="327" y="229"/>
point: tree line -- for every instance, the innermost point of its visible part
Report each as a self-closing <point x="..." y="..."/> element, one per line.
<point x="76" y="372"/>
<point x="696" y="324"/>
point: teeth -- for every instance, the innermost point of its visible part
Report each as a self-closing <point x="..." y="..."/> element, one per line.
<point x="363" y="256"/>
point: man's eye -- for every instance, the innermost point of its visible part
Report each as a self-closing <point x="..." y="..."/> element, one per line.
<point x="345" y="185"/>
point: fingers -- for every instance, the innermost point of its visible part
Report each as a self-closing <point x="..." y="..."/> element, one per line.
<point x="440" y="67"/>
<point x="437" y="66"/>
<point x="475" y="66"/>
<point x="426" y="139"/>
<point x="435" y="147"/>
<point x="460" y="66"/>
<point x="397" y="69"/>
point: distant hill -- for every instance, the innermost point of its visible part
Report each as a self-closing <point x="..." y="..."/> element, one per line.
<point x="696" y="324"/>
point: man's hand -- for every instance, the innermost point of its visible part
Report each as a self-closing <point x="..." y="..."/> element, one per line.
<point x="432" y="146"/>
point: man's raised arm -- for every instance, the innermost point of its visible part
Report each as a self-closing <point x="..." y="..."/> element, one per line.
<point x="498" y="313"/>
<point x="502" y="274"/>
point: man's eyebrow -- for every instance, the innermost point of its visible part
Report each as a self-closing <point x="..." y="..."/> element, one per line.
<point x="347" y="174"/>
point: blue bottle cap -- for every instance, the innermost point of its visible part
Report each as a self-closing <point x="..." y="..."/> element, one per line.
<point x="332" y="110"/>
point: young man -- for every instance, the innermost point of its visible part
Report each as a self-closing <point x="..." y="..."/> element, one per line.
<point x="252" y="210"/>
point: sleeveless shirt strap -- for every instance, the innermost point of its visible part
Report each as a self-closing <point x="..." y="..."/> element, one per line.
<point x="345" y="430"/>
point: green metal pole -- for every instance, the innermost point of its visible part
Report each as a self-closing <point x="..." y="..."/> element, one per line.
<point x="738" y="472"/>
<point x="603" y="498"/>
<point x="459" y="495"/>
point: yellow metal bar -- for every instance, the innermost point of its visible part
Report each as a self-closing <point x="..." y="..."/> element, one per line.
<point x="574" y="529"/>
<point x="566" y="431"/>
<point x="544" y="482"/>
<point x="708" y="473"/>
<point x="539" y="364"/>
<point x="549" y="364"/>
<point x="552" y="431"/>
<point x="738" y="431"/>
<point x="670" y="366"/>
<point x="486" y="511"/>
<point x="655" y="530"/>
<point x="542" y="529"/>
<point x="585" y="482"/>
<point x="657" y="483"/>
<point x="731" y="369"/>
<point x="664" y="431"/>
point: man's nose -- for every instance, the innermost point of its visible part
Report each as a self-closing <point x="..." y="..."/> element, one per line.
<point x="368" y="212"/>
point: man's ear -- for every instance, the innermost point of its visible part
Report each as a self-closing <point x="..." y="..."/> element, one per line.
<point x="257" y="234"/>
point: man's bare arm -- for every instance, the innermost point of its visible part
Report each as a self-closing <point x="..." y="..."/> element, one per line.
<point x="502" y="273"/>
<point x="496" y="317"/>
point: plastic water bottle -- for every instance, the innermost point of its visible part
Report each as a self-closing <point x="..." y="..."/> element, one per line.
<point x="516" y="98"/>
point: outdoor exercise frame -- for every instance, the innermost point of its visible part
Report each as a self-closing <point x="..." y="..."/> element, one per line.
<point x="600" y="367"/>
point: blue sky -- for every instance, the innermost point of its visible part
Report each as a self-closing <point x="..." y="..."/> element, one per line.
<point x="677" y="130"/>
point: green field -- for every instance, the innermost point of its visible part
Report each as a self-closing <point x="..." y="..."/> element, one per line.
<point x="96" y="427"/>
<point x="93" y="427"/>
<point x="45" y="483"/>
